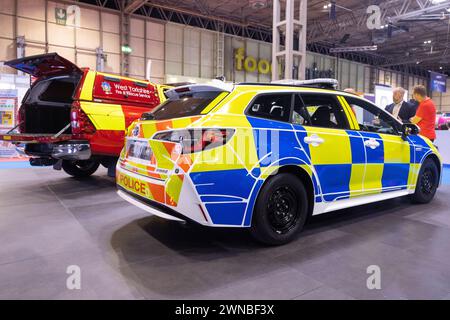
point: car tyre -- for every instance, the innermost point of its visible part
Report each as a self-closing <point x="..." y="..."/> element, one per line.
<point x="80" y="168"/>
<point x="280" y="211"/>
<point x="427" y="182"/>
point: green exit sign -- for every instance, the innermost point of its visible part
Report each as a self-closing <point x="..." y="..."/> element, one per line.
<point x="126" y="49"/>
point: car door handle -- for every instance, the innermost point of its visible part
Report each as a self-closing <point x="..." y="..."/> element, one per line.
<point x="314" y="140"/>
<point x="372" y="143"/>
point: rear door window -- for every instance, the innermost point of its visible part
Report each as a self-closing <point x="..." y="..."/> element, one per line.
<point x="325" y="111"/>
<point x="275" y="106"/>
<point x="186" y="105"/>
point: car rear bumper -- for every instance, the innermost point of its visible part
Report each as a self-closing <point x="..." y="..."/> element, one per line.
<point x="154" y="196"/>
<point x="150" y="206"/>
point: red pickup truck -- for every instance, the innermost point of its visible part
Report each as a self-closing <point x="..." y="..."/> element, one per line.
<point x="75" y="118"/>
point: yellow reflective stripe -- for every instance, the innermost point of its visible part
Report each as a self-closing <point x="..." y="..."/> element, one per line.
<point x="214" y="103"/>
<point x="349" y="112"/>
<point x="173" y="188"/>
<point x="88" y="85"/>
<point x="105" y="116"/>
<point x="163" y="157"/>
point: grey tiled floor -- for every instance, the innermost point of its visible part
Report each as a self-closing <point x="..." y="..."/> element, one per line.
<point x="49" y="221"/>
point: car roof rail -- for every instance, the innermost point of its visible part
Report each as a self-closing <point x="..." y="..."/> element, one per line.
<point x="323" y="83"/>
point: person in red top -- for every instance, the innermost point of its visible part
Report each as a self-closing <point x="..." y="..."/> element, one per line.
<point x="425" y="116"/>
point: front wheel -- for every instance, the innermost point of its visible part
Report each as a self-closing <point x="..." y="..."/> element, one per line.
<point x="280" y="210"/>
<point x="427" y="182"/>
<point x="80" y="168"/>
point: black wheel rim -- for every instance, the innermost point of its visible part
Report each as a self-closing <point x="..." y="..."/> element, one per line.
<point x="282" y="209"/>
<point x="428" y="181"/>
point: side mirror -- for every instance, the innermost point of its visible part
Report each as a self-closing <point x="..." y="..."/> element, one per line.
<point x="409" y="129"/>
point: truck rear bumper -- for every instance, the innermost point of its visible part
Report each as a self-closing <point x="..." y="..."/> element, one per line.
<point x="72" y="151"/>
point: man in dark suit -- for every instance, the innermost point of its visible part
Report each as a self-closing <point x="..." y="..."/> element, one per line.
<point x="400" y="109"/>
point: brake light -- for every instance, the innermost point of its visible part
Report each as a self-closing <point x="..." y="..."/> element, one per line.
<point x="79" y="121"/>
<point x="195" y="140"/>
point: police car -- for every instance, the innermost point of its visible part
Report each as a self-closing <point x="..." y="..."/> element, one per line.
<point x="267" y="156"/>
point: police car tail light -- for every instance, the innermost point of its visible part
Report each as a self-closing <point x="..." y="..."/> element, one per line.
<point x="195" y="140"/>
<point x="79" y="121"/>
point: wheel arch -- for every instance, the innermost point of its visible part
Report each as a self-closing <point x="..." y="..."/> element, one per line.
<point x="303" y="176"/>
<point x="437" y="161"/>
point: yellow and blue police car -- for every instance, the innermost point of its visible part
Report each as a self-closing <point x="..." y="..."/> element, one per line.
<point x="267" y="156"/>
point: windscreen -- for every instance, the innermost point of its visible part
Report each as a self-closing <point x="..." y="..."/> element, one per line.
<point x="186" y="105"/>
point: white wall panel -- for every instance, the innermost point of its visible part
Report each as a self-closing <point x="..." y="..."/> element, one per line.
<point x="31" y="29"/>
<point x="155" y="49"/>
<point x="207" y="57"/>
<point x="61" y="35"/>
<point x="192" y="70"/>
<point x="353" y="75"/>
<point x="155" y="31"/>
<point x="112" y="63"/>
<point x="191" y="55"/>
<point x="191" y="38"/>
<point x="7" y="49"/>
<point x="67" y="53"/>
<point x="90" y="19"/>
<point x="110" y="22"/>
<point x="381" y="77"/>
<point x="360" y="78"/>
<point x="265" y="51"/>
<point x="86" y="60"/>
<point x="157" y="69"/>
<point x="32" y="50"/>
<point x="7" y="6"/>
<point x="111" y="42"/>
<point x="367" y="83"/>
<point x="137" y="44"/>
<point x="6" y="26"/>
<point x="174" y="34"/>
<point x="252" y="49"/>
<point x="345" y="81"/>
<point x="137" y="66"/>
<point x="173" y="67"/>
<point x="208" y="72"/>
<point x="31" y="9"/>
<point x="251" y="77"/>
<point x="137" y="27"/>
<point x="88" y="39"/>
<point x="174" y="52"/>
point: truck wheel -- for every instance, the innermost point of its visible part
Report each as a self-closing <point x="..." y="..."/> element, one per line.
<point x="280" y="210"/>
<point x="427" y="182"/>
<point x="80" y="168"/>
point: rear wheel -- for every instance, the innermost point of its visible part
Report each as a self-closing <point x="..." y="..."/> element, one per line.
<point x="427" y="182"/>
<point x="80" y="168"/>
<point x="280" y="211"/>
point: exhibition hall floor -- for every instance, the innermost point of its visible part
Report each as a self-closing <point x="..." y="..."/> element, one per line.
<point x="49" y="221"/>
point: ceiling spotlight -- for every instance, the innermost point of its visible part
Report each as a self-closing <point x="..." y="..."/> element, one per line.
<point x="440" y="68"/>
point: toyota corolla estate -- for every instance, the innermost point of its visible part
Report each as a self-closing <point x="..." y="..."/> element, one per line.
<point x="267" y="156"/>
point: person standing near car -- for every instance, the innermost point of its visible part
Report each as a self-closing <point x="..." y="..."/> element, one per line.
<point x="400" y="109"/>
<point x="425" y="116"/>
